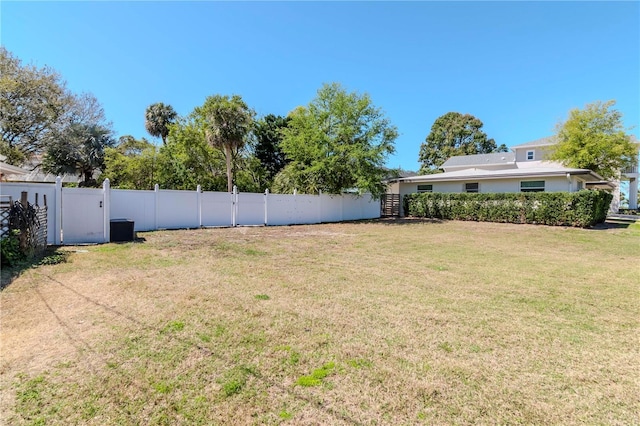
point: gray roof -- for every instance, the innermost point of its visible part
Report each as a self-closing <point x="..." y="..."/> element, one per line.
<point x="480" y="160"/>
<point x="546" y="141"/>
<point x="551" y="140"/>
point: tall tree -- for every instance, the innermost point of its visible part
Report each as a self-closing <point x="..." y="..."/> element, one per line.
<point x="157" y="119"/>
<point x="33" y="102"/>
<point x="595" y="138"/>
<point x="78" y="145"/>
<point x="187" y="160"/>
<point x="227" y="122"/>
<point x="79" y="149"/>
<point x="340" y="141"/>
<point x="268" y="135"/>
<point x="454" y="134"/>
<point x="132" y="164"/>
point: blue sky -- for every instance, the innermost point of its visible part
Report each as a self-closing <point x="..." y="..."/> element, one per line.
<point x="517" y="66"/>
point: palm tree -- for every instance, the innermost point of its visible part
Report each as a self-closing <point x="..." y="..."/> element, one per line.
<point x="227" y="122"/>
<point x="79" y="149"/>
<point x="158" y="117"/>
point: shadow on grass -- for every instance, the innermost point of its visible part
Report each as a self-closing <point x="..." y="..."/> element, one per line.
<point x="395" y="221"/>
<point x="612" y="225"/>
<point x="136" y="240"/>
<point x="49" y="256"/>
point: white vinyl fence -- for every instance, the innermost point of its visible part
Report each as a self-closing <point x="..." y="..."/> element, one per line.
<point x="80" y="215"/>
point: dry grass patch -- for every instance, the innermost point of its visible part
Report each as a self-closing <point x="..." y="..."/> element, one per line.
<point x="359" y="323"/>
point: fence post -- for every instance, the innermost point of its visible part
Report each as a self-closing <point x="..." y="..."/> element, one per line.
<point x="297" y="217"/>
<point x="199" y="191"/>
<point x="234" y="206"/>
<point x="266" y="210"/>
<point x="156" y="189"/>
<point x="57" y="212"/>
<point x="106" y="194"/>
<point x="319" y="206"/>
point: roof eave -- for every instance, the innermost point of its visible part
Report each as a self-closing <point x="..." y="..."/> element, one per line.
<point x="500" y="176"/>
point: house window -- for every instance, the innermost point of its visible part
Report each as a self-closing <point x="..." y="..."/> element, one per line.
<point x="532" y="186"/>
<point x="530" y="155"/>
<point x="472" y="187"/>
<point x="425" y="188"/>
<point x="580" y="185"/>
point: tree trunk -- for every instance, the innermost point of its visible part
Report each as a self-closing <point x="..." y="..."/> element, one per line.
<point x="227" y="155"/>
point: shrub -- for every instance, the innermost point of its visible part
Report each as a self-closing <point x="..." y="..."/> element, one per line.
<point x="10" y="252"/>
<point x="580" y="209"/>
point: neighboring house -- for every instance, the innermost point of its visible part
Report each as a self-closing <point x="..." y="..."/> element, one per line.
<point x="31" y="172"/>
<point x="522" y="170"/>
<point x="7" y="171"/>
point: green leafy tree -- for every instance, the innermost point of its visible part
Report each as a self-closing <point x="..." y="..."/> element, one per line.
<point x="227" y="122"/>
<point x="250" y="175"/>
<point x="594" y="138"/>
<point x="454" y="134"/>
<point x="79" y="149"/>
<point x="187" y="160"/>
<point x="268" y="136"/>
<point x="78" y="144"/>
<point x="157" y="119"/>
<point x="132" y="164"/>
<point x="339" y="142"/>
<point x="33" y="102"/>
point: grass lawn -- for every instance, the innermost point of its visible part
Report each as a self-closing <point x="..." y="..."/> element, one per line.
<point x="383" y="322"/>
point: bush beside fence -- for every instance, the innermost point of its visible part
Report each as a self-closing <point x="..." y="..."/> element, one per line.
<point x="579" y="209"/>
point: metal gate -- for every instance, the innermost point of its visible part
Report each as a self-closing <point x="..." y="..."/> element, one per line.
<point x="84" y="216"/>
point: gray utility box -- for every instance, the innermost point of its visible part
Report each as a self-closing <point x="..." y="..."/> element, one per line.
<point x="121" y="230"/>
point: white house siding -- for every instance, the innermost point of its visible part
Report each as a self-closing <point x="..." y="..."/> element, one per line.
<point x="552" y="184"/>
<point x="393" y="187"/>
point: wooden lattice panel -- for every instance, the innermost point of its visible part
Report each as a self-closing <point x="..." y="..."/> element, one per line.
<point x="5" y="207"/>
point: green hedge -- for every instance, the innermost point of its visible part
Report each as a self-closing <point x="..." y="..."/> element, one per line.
<point x="580" y="209"/>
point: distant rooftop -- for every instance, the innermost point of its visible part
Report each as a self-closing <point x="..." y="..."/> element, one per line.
<point x="480" y="159"/>
<point x="551" y="140"/>
<point x="546" y="141"/>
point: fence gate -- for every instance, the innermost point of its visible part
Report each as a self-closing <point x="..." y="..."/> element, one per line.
<point x="249" y="209"/>
<point x="84" y="216"/>
<point x="390" y="205"/>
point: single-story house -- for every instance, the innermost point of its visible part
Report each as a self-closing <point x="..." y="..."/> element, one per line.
<point x="7" y="171"/>
<point x="524" y="169"/>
